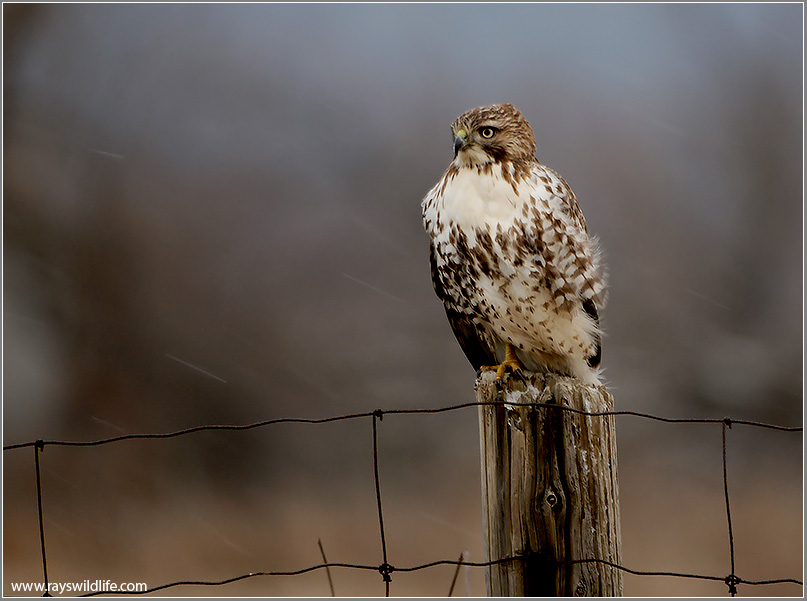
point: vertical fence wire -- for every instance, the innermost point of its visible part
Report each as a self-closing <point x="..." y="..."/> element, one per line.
<point x="38" y="448"/>
<point x="731" y="579"/>
<point x="385" y="568"/>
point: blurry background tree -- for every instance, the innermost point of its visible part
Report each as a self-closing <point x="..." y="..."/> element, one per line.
<point x="211" y="215"/>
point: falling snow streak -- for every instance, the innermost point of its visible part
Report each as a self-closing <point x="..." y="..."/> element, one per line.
<point x="196" y="368"/>
<point x="374" y="288"/>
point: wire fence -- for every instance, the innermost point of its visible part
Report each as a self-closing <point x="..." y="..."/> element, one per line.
<point x="385" y="569"/>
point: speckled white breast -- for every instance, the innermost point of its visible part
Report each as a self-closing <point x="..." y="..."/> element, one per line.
<point x="490" y="242"/>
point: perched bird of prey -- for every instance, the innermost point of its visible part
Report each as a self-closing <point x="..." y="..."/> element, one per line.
<point x="511" y="257"/>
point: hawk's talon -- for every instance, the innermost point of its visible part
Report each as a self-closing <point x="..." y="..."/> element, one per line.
<point x="510" y="363"/>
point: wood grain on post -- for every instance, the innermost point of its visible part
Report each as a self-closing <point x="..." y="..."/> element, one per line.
<point x="549" y="488"/>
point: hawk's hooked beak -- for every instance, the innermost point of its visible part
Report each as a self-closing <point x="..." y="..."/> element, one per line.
<point x="460" y="141"/>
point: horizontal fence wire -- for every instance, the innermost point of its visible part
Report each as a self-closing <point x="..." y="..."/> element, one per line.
<point x="385" y="569"/>
<point x="442" y="562"/>
<point x="382" y="412"/>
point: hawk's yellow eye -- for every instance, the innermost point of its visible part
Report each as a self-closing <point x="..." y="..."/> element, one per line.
<point x="487" y="132"/>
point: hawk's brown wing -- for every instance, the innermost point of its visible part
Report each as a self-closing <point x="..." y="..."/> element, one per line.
<point x="468" y="333"/>
<point x="591" y="309"/>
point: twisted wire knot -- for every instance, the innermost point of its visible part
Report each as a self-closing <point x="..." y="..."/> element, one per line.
<point x="732" y="581"/>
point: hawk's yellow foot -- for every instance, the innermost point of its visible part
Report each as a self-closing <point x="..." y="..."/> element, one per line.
<point x="510" y="362"/>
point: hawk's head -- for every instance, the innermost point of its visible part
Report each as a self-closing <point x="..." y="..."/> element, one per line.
<point x="492" y="134"/>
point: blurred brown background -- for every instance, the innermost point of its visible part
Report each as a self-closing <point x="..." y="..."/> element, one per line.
<point x="211" y="215"/>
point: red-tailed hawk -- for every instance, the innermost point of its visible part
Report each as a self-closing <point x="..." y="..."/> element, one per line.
<point x="511" y="257"/>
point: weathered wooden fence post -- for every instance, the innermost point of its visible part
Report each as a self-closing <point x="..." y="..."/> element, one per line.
<point x="549" y="488"/>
